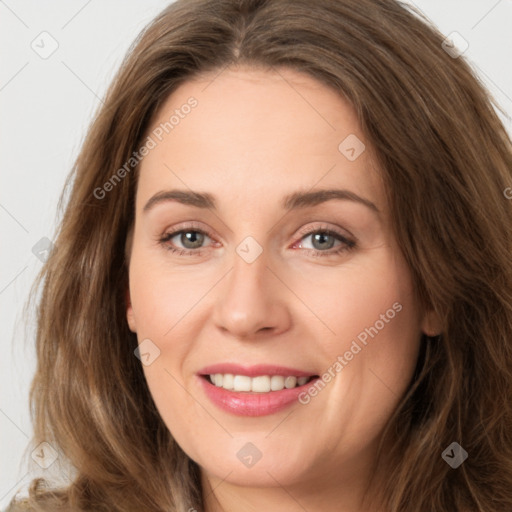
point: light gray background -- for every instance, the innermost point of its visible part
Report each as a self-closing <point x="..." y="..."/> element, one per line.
<point x="46" y="106"/>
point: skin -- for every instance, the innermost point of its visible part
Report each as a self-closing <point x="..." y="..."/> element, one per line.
<point x="254" y="137"/>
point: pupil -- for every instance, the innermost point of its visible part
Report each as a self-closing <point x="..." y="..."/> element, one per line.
<point x="194" y="237"/>
<point x="321" y="237"/>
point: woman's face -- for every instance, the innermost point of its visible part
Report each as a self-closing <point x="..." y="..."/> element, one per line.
<point x="257" y="274"/>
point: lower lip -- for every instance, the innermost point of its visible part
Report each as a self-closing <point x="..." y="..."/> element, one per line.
<point x="250" y="403"/>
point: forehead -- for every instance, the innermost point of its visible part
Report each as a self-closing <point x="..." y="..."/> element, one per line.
<point x="257" y="134"/>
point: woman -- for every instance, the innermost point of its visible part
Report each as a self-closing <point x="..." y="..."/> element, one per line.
<point x="198" y="347"/>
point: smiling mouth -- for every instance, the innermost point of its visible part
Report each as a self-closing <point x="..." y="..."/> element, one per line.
<point x="257" y="384"/>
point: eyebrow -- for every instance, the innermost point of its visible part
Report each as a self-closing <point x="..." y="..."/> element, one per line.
<point x="293" y="201"/>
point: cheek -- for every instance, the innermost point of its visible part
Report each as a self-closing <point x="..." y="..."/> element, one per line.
<point x="370" y="359"/>
<point x="365" y="301"/>
<point x="384" y="331"/>
<point x="162" y="298"/>
<point x="371" y="309"/>
<point x="165" y="306"/>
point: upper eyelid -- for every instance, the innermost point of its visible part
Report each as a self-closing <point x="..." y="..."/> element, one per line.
<point x="323" y="227"/>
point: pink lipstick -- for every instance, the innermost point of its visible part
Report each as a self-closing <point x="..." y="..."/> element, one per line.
<point x="255" y="390"/>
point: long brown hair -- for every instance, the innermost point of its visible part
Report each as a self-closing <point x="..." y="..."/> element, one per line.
<point x="446" y="161"/>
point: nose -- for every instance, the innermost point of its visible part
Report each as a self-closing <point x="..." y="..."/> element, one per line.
<point x="252" y="301"/>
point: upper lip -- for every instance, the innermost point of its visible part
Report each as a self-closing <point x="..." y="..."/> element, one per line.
<point x="254" y="370"/>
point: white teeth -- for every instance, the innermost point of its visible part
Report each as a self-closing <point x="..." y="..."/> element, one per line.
<point x="290" y="382"/>
<point x="276" y="383"/>
<point x="228" y="381"/>
<point x="259" y="384"/>
<point x="242" y="383"/>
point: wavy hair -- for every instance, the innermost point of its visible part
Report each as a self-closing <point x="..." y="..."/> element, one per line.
<point x="446" y="161"/>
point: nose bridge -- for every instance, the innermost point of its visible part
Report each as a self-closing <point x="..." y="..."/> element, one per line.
<point x="250" y="300"/>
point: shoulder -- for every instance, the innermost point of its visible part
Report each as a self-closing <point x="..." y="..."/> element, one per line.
<point x="38" y="504"/>
<point x="40" y="498"/>
<point x="19" y="505"/>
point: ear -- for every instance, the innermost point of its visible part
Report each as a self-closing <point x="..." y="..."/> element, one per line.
<point x="431" y="323"/>
<point x="130" y="317"/>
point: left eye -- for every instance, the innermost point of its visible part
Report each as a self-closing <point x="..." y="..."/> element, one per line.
<point x="319" y="239"/>
<point x="190" y="239"/>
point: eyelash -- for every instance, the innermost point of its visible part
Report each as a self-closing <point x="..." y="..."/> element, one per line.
<point x="347" y="245"/>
